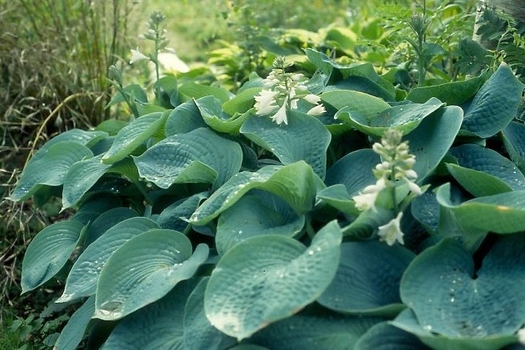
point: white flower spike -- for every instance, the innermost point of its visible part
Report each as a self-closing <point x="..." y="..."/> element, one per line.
<point x="137" y="56"/>
<point x="391" y="232"/>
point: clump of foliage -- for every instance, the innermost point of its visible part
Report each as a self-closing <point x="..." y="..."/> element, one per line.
<point x="325" y="210"/>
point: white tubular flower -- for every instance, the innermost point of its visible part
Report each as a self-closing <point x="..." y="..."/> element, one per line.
<point x="365" y="200"/>
<point x="313" y="99"/>
<point x="317" y="110"/>
<point x="391" y="232"/>
<point x="265" y="102"/>
<point x="280" y="117"/>
<point x="137" y="56"/>
<point x="521" y="336"/>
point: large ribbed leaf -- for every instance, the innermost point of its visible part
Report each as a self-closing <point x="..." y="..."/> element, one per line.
<point x="83" y="277"/>
<point x="133" y="135"/>
<point x="452" y="93"/>
<point x="184" y="118"/>
<point x="484" y="172"/>
<point x="514" y="140"/>
<point x="362" y="284"/>
<point x="404" y="117"/>
<point x="304" y="138"/>
<point x="48" y="252"/>
<point x="495" y="104"/>
<point x="355" y="102"/>
<point x="267" y="278"/>
<point x="296" y="184"/>
<point x="74" y="330"/>
<point x="80" y="178"/>
<point x="49" y="167"/>
<point x="257" y="213"/>
<point x="500" y="213"/>
<point x="383" y="336"/>
<point x="314" y="330"/>
<point x="144" y="270"/>
<point x="453" y="298"/>
<point x="197" y="156"/>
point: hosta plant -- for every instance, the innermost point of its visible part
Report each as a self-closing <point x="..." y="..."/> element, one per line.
<point x="322" y="212"/>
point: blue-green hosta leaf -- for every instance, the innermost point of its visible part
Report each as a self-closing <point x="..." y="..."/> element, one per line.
<point x="432" y="139"/>
<point x="48" y="252"/>
<point x="80" y="178"/>
<point x="83" y="137"/>
<point x="484" y="172"/>
<point x="133" y="135"/>
<point x="111" y="126"/>
<point x="454" y="300"/>
<point x="74" y="330"/>
<point x="197" y="156"/>
<point x="452" y="93"/>
<point x="49" y="168"/>
<point x="106" y="220"/>
<point x="83" y="277"/>
<point x="354" y="170"/>
<point x="304" y="138"/>
<point x="175" y="216"/>
<point x="384" y="336"/>
<point x="495" y="104"/>
<point x="256" y="214"/>
<point x="144" y="270"/>
<point x="403" y="117"/>
<point x="199" y="334"/>
<point x="408" y="322"/>
<point x="501" y="213"/>
<point x="337" y="196"/>
<point x="514" y="140"/>
<point x="353" y="101"/>
<point x="156" y="326"/>
<point x="267" y="278"/>
<point x="367" y="279"/>
<point x="214" y="115"/>
<point x="184" y="118"/>
<point x="314" y="330"/>
<point x="296" y="184"/>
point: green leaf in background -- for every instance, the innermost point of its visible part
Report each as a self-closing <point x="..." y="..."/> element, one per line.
<point x="241" y="221"/>
<point x="199" y="334"/>
<point x="184" y="118"/>
<point x="484" y="172"/>
<point x="452" y="93"/>
<point x="133" y="135"/>
<point x="501" y="213"/>
<point x="408" y="322"/>
<point x="454" y="299"/>
<point x="304" y="138"/>
<point x="367" y="279"/>
<point x="514" y="141"/>
<point x="156" y="326"/>
<point x="197" y="156"/>
<point x="80" y="178"/>
<point x="296" y="184"/>
<point x="83" y="277"/>
<point x="191" y="90"/>
<point x="48" y="252"/>
<point x="337" y="196"/>
<point x="49" y="168"/>
<point x="111" y="126"/>
<point x="213" y="115"/>
<point x="495" y="104"/>
<point x="384" y="336"/>
<point x="267" y="278"/>
<point x="432" y="139"/>
<point x="314" y="330"/>
<point x="74" y="330"/>
<point x="145" y="269"/>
